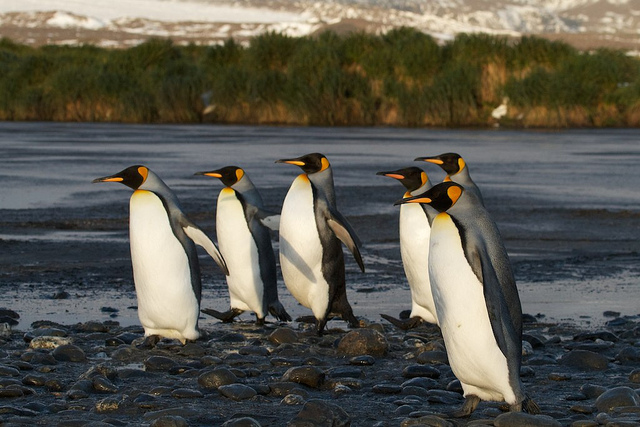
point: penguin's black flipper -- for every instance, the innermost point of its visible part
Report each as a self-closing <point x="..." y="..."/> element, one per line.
<point x="200" y="238"/>
<point x="346" y="234"/>
<point x="277" y="310"/>
<point x="226" y="317"/>
<point x="404" y="324"/>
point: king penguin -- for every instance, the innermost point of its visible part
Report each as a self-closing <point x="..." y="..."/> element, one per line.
<point x="476" y="299"/>
<point x="166" y="272"/>
<point x="311" y="229"/>
<point x="415" y="228"/>
<point x="457" y="171"/>
<point x="242" y="228"/>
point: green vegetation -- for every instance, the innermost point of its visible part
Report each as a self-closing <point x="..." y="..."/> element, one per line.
<point x="402" y="78"/>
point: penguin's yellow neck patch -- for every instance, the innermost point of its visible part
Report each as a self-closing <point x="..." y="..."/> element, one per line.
<point x="407" y="194"/>
<point x="303" y="177"/>
<point x="325" y="164"/>
<point x="227" y="191"/>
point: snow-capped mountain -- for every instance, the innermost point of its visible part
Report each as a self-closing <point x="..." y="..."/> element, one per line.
<point x="120" y="23"/>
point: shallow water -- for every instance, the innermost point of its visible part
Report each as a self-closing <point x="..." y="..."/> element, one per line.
<point x="566" y="202"/>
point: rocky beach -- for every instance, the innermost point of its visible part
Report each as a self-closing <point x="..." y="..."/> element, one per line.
<point x="72" y="352"/>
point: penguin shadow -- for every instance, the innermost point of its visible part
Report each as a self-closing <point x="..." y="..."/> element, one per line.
<point x="294" y="257"/>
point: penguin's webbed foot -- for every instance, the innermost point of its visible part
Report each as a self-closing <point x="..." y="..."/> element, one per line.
<point x="527" y="405"/>
<point x="277" y="310"/>
<point x="404" y="324"/>
<point x="226" y="317"/>
<point x="259" y="321"/>
<point x="469" y="405"/>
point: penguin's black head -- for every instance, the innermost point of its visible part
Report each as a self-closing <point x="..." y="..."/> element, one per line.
<point x="133" y="176"/>
<point x="412" y="177"/>
<point x="310" y="163"/>
<point x="229" y="175"/>
<point x="451" y="163"/>
<point x="441" y="196"/>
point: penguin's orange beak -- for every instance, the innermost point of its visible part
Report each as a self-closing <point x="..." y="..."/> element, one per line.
<point x="417" y="199"/>
<point x="392" y="175"/>
<point x="214" y="174"/>
<point x="430" y="160"/>
<point x="108" y="179"/>
<point x="291" y="162"/>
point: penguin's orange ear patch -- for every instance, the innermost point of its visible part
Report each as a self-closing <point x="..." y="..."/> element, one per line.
<point x="424" y="178"/>
<point x="454" y="193"/>
<point x="461" y="164"/>
<point x="239" y="174"/>
<point x="325" y="164"/>
<point x="144" y="172"/>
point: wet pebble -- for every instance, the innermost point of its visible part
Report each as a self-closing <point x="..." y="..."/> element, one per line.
<point x="521" y="419"/>
<point x="346" y="372"/>
<point x="387" y="388"/>
<point x="617" y="397"/>
<point x="216" y="378"/>
<point x="320" y="412"/>
<point x="427" y="420"/>
<point x="69" y="353"/>
<point x="107" y="405"/>
<point x="169" y="421"/>
<point x="628" y="356"/>
<point x="634" y="376"/>
<point x="422" y="382"/>
<point x="310" y="376"/>
<point x="102" y="385"/>
<point x="242" y="422"/>
<point x="186" y="393"/>
<point x="283" y="336"/>
<point x="363" y="342"/>
<point x="8" y="371"/>
<point x="237" y="391"/>
<point x="413" y="371"/>
<point x="433" y="358"/>
<point x="48" y="342"/>
<point x="592" y="391"/>
<point x="365" y="360"/>
<point x="34" y="380"/>
<point x="292" y="399"/>
<point x="158" y="363"/>
<point x="253" y="350"/>
<point x="585" y="360"/>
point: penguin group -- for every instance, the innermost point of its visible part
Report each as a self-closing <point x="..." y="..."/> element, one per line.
<point x="456" y="265"/>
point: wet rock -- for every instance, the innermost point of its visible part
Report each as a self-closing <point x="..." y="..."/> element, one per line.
<point x="48" y="342"/>
<point x="127" y="337"/>
<point x="617" y="397"/>
<point x="310" y="376"/>
<point x="365" y="360"/>
<point x="69" y="353"/>
<point x="38" y="358"/>
<point x="8" y="371"/>
<point x="192" y="350"/>
<point x="628" y="356"/>
<point x="413" y="371"/>
<point x="283" y="361"/>
<point x="21" y="412"/>
<point x="34" y="380"/>
<point x="292" y="399"/>
<point x="585" y="360"/>
<point x="363" y="342"/>
<point x="232" y="337"/>
<point x="237" y="391"/>
<point x="186" y="393"/>
<point x="241" y="422"/>
<point x="60" y="295"/>
<point x="555" y="376"/>
<point x="107" y="405"/>
<point x="91" y="326"/>
<point x="127" y="354"/>
<point x="444" y="397"/>
<point x="596" y="335"/>
<point x="592" y="391"/>
<point x="253" y="350"/>
<point x="53" y="385"/>
<point x="426" y="420"/>
<point x="169" y="421"/>
<point x="9" y="392"/>
<point x="634" y="376"/>
<point x="520" y="419"/>
<point x="347" y="372"/>
<point x="158" y="363"/>
<point x="283" y="336"/>
<point x="179" y="412"/>
<point x="432" y="358"/>
<point x="103" y="385"/>
<point x="386" y="388"/>
<point x="216" y="378"/>
<point x="422" y="382"/>
<point x="320" y="413"/>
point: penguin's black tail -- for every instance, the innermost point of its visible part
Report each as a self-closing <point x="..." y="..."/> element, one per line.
<point x="277" y="310"/>
<point x="529" y="406"/>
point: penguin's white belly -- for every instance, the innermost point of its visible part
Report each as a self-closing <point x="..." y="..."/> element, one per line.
<point x="239" y="250"/>
<point x="301" y="249"/>
<point x="414" y="249"/>
<point x="167" y="305"/>
<point x="473" y="352"/>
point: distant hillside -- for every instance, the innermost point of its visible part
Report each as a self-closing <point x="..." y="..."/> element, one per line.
<point x="585" y="24"/>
